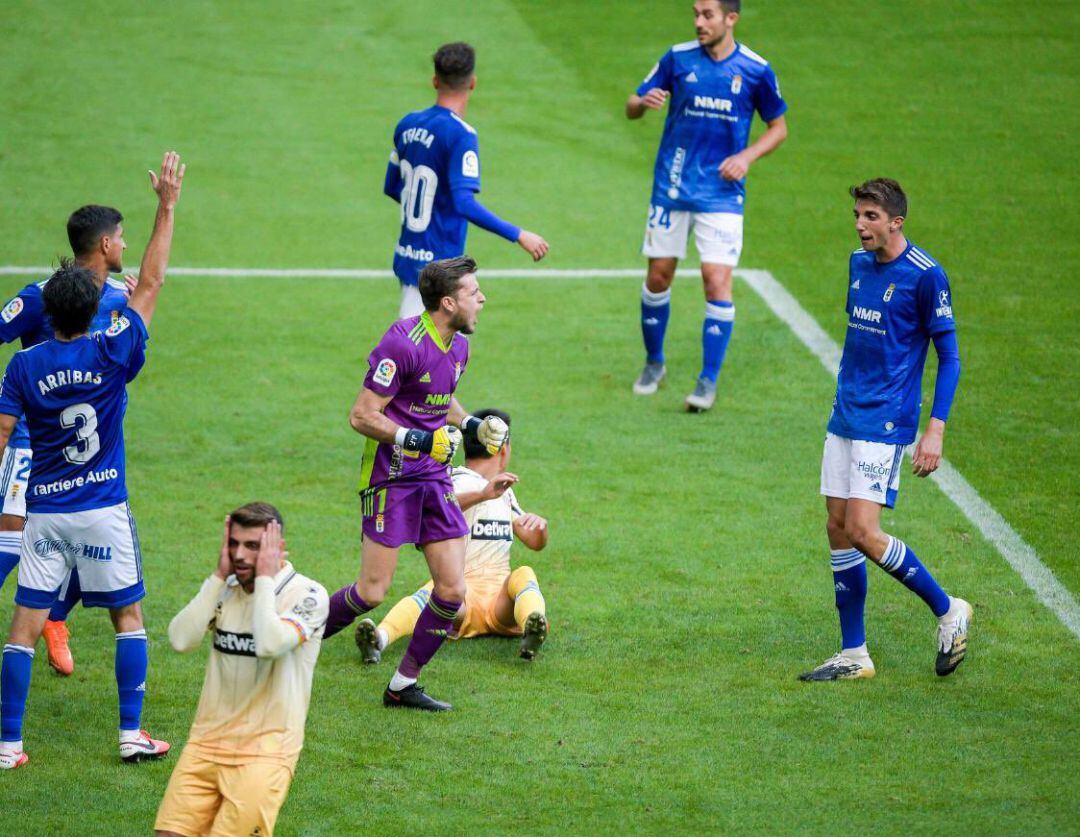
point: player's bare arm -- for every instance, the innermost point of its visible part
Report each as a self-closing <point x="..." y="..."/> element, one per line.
<point x="493" y="490"/>
<point x="156" y="258"/>
<point x="736" y="166"/>
<point x="7" y="425"/>
<point x="652" y="100"/>
<point x="927" y="456"/>
<point x="531" y="530"/>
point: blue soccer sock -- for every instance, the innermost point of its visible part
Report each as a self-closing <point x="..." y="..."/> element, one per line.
<point x="131" y="663"/>
<point x="10" y="544"/>
<point x="849" y="581"/>
<point x="14" y="687"/>
<point x="715" y="336"/>
<point x="63" y="605"/>
<point x="655" y="312"/>
<point x="902" y="564"/>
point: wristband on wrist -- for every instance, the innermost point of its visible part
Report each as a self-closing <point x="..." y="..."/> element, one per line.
<point x="415" y="441"/>
<point x="470" y="424"/>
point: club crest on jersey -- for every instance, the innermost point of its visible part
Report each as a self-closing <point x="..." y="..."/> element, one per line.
<point x="470" y="164"/>
<point x="113" y="317"/>
<point x="385" y="372"/>
<point x="380" y="522"/>
<point x="119" y="324"/>
<point x="889" y="292"/>
<point x="736" y="84"/>
<point x="12" y="310"/>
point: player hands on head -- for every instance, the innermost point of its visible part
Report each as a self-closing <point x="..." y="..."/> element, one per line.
<point x="434" y="173"/>
<point x="898" y="300"/>
<point x="408" y="413"/>
<point x="498" y="601"/>
<point x="96" y="236"/>
<point x="72" y="391"/>
<point x="716" y="85"/>
<point x="267" y="622"/>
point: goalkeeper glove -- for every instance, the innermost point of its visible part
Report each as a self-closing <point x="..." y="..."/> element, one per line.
<point x="492" y="432"/>
<point x="440" y="445"/>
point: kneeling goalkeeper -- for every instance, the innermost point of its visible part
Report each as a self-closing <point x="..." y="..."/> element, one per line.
<point x="410" y="417"/>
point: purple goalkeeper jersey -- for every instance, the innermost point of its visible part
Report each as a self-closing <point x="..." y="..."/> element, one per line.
<point x="419" y="372"/>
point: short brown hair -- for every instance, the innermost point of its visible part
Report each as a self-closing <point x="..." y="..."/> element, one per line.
<point x="454" y="64"/>
<point x="885" y="192"/>
<point x="441" y="279"/>
<point x="251" y="515"/>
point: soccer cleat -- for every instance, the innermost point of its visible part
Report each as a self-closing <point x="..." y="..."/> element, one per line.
<point x="11" y="760"/>
<point x="56" y="643"/>
<point x="703" y="396"/>
<point x="143" y="748"/>
<point x="840" y="667"/>
<point x="952" y="636"/>
<point x="367" y="640"/>
<point x="413" y="697"/>
<point x="649" y="379"/>
<point x="536" y="630"/>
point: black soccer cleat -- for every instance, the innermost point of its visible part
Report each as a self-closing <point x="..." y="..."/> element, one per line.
<point x="536" y="631"/>
<point x="413" y="697"/>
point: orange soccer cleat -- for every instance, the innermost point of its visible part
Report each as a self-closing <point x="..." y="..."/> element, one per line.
<point x="56" y="641"/>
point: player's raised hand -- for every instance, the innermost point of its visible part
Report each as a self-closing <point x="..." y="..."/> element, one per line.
<point x="735" y="167"/>
<point x="531" y="522"/>
<point x="497" y="485"/>
<point x="167" y="183"/>
<point x="271" y="550"/>
<point x="492" y="434"/>
<point x="130" y="284"/>
<point x="444" y="443"/>
<point x="655" y="99"/>
<point x="224" y="564"/>
<point x="927" y="456"/>
<point x="533" y="244"/>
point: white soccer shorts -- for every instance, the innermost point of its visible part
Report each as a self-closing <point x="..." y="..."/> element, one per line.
<point x="718" y="235"/>
<point x="14" y="475"/>
<point x="861" y="470"/>
<point x="102" y="543"/>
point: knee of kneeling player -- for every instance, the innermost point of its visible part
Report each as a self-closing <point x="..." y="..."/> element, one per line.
<point x="520" y="577"/>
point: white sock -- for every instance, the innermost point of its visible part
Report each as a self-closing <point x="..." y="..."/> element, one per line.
<point x="11" y="746"/>
<point x="382" y="638"/>
<point x="412" y="304"/>
<point x="857" y="653"/>
<point x="399" y="681"/>
<point x="130" y="735"/>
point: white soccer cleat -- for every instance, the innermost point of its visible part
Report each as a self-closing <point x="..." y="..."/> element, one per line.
<point x="12" y="758"/>
<point x="841" y="667"/>
<point x="952" y="636"/>
<point x="649" y="379"/>
<point x="142" y="748"/>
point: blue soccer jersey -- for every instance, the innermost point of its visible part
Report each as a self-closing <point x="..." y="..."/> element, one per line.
<point x="73" y="396"/>
<point x="709" y="113"/>
<point x="894" y="310"/>
<point x="435" y="153"/>
<point x="23" y="318"/>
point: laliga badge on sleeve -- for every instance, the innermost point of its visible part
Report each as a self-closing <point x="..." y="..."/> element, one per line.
<point x="385" y="372"/>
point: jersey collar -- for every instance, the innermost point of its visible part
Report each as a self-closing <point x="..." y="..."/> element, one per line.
<point x="433" y="333"/>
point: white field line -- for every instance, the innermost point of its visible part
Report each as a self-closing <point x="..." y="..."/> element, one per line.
<point x="1020" y="556"/>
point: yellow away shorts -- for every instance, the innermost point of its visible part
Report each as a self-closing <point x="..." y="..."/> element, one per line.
<point x="204" y="797"/>
<point x="479" y="619"/>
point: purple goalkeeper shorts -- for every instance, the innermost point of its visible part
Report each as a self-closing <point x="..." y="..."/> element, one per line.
<point x="418" y="512"/>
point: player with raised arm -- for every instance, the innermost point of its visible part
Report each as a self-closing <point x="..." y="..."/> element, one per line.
<point x="71" y="390"/>
<point x="267" y="622"/>
<point x="96" y="235"/>
<point x="434" y="173"/>
<point x="411" y="419"/>
<point x="715" y="85"/>
<point x="898" y="302"/>
<point x="498" y="601"/>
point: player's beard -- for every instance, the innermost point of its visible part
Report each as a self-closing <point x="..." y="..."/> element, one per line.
<point x="460" y="323"/>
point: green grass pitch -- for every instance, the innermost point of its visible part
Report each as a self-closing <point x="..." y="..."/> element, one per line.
<point x="687" y="576"/>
